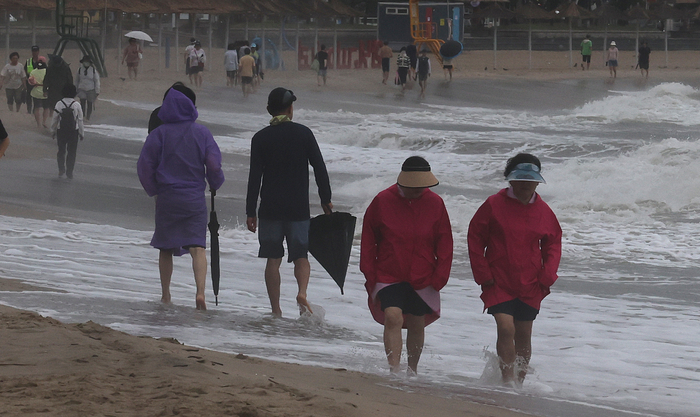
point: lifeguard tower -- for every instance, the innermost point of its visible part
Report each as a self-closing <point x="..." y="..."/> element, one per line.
<point x="75" y="28"/>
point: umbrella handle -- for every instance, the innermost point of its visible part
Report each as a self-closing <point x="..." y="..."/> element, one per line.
<point x="213" y="193"/>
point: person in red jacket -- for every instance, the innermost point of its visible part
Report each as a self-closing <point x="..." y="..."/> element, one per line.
<point x="406" y="257"/>
<point x="514" y="248"/>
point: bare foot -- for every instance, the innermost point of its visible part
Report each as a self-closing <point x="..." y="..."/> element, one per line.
<point x="165" y="299"/>
<point x="303" y="304"/>
<point x="201" y="305"/>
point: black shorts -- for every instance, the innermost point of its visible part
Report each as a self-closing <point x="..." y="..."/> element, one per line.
<point x="422" y="77"/>
<point x="586" y="58"/>
<point x="516" y="308"/>
<point x="385" y="64"/>
<point x="403" y="296"/>
<point x="40" y="103"/>
<point x="246" y="80"/>
<point x="195" y="70"/>
<point x="231" y="74"/>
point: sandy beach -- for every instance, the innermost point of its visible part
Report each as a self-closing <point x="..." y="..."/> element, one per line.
<point x="51" y="368"/>
<point x="85" y="369"/>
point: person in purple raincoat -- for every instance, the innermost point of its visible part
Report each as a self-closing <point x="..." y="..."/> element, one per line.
<point x="175" y="161"/>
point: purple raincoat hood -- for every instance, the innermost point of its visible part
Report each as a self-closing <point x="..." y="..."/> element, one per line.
<point x="177" y="108"/>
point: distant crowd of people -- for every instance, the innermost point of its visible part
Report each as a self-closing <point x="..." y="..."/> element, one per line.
<point x="49" y="89"/>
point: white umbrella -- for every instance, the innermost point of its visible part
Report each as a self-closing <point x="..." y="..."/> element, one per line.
<point x="137" y="34"/>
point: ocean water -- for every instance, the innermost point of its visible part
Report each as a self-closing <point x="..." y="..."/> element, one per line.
<point x="617" y="336"/>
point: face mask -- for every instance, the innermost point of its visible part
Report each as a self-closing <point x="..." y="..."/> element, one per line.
<point x="86" y="64"/>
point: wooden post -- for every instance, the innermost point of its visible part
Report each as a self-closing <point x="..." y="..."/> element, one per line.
<point x="176" y="17"/>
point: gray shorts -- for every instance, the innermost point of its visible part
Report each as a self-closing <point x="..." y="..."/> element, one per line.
<point x="322" y="72"/>
<point x="271" y="234"/>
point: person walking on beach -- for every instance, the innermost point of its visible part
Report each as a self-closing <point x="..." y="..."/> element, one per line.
<point x="514" y="248"/>
<point x="423" y="70"/>
<point x="186" y="54"/>
<point x="403" y="63"/>
<point x="42" y="111"/>
<point x="279" y="160"/>
<point x="132" y="56"/>
<point x="231" y="65"/>
<point x="67" y="128"/>
<point x="13" y="78"/>
<point x="197" y="61"/>
<point x="447" y="68"/>
<point x="643" y="59"/>
<point x="4" y="140"/>
<point x="586" y="51"/>
<point x="246" y="68"/>
<point x="412" y="53"/>
<point x="177" y="161"/>
<point x="406" y="257"/>
<point x="58" y="74"/>
<point x="322" y="57"/>
<point x="385" y="53"/>
<point x="613" y="53"/>
<point x="87" y="80"/>
<point x="29" y="66"/>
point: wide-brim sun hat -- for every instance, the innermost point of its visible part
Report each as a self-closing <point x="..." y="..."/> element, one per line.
<point x="526" y="172"/>
<point x="86" y="58"/>
<point x="415" y="173"/>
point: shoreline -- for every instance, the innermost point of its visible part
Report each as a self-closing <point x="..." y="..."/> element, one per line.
<point x="88" y="369"/>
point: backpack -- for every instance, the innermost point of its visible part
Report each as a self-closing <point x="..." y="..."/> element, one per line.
<point x="67" y="119"/>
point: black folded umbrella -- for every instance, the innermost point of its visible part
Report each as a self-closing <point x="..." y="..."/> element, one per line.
<point x="330" y="242"/>
<point x="215" y="265"/>
<point x="451" y="49"/>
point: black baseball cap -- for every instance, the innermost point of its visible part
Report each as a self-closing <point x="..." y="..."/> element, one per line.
<point x="279" y="99"/>
<point x="35" y="47"/>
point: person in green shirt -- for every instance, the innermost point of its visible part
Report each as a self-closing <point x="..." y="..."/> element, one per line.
<point x="586" y="50"/>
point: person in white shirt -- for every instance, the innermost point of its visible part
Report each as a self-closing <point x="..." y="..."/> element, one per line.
<point x="13" y="78"/>
<point x="67" y="132"/>
<point x="197" y="60"/>
<point x="87" y="81"/>
<point x="231" y="65"/>
<point x="189" y="49"/>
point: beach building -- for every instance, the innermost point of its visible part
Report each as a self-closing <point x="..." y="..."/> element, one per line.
<point x="394" y="21"/>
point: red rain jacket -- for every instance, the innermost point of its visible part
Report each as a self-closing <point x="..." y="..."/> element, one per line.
<point x="406" y="240"/>
<point x="516" y="245"/>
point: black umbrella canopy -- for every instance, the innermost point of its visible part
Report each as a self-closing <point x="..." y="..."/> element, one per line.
<point x="451" y="49"/>
<point x="330" y="242"/>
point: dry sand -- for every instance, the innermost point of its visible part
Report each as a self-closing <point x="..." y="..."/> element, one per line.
<point x="51" y="368"/>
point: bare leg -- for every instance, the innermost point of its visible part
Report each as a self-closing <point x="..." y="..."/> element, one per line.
<point x="37" y="116"/>
<point x="302" y="271"/>
<point x="505" y="344"/>
<point x="414" y="340"/>
<point x="199" y="266"/>
<point x="272" y="281"/>
<point x="47" y="114"/>
<point x="523" y="346"/>
<point x="393" y="343"/>
<point x="165" y="264"/>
